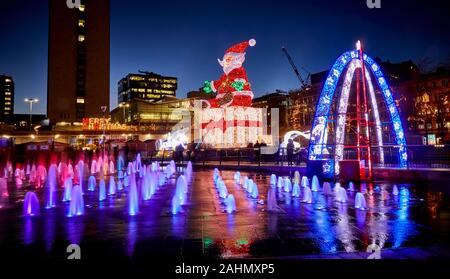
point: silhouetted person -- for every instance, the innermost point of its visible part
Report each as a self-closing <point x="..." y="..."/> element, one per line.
<point x="179" y="153"/>
<point x="290" y="151"/>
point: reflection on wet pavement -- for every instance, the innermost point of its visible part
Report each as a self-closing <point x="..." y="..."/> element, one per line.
<point x="417" y="217"/>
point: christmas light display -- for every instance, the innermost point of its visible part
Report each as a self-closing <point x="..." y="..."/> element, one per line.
<point x="319" y="148"/>
<point x="228" y="120"/>
<point x="231" y="126"/>
<point x="233" y="87"/>
<point x="174" y="139"/>
<point x="342" y="111"/>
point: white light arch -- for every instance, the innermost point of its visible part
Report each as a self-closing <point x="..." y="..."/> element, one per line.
<point x="319" y="131"/>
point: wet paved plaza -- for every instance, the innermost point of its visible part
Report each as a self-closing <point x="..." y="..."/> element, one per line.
<point x="416" y="219"/>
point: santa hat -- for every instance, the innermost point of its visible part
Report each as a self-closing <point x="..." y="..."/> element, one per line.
<point x="241" y="47"/>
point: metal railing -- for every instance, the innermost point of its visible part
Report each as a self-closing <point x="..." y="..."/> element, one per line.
<point x="419" y="156"/>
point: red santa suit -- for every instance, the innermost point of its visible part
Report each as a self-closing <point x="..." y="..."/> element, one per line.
<point x="227" y="94"/>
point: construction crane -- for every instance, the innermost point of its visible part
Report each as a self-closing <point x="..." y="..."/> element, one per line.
<point x="304" y="84"/>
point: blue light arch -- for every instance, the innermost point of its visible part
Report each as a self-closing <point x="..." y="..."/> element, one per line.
<point x="317" y="142"/>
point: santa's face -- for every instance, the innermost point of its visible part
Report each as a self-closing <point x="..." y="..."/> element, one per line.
<point x="232" y="61"/>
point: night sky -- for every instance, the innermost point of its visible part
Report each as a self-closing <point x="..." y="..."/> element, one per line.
<point x="185" y="38"/>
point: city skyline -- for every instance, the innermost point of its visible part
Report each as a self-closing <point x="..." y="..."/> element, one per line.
<point x="184" y="40"/>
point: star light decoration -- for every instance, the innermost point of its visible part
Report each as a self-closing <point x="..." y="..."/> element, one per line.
<point x="319" y="131"/>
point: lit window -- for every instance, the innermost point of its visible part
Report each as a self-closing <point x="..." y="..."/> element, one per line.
<point x="7" y="93"/>
<point x="80" y="100"/>
<point x="82" y="8"/>
<point x="8" y="80"/>
<point x="7" y="108"/>
<point x="7" y="103"/>
<point x="81" y="38"/>
<point x="7" y="99"/>
<point x="81" y="23"/>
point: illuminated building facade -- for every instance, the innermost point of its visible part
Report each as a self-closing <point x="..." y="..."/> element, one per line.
<point x="146" y="86"/>
<point x="6" y="98"/>
<point x="277" y="100"/>
<point x="430" y="115"/>
<point x="200" y="95"/>
<point x="154" y="117"/>
<point x="78" y="61"/>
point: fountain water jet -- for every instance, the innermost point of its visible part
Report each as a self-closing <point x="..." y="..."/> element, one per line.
<point x="188" y="172"/>
<point x="296" y="177"/>
<point x="296" y="191"/>
<point x="102" y="190"/>
<point x="119" y="185"/>
<point x="18" y="176"/>
<point x="50" y="193"/>
<point x="341" y="193"/>
<point x="176" y="205"/>
<point x="120" y="163"/>
<point x="92" y="183"/>
<point x="111" y="167"/>
<point x="305" y="182"/>
<point x="94" y="167"/>
<point x="395" y="190"/>
<point x="216" y="175"/>
<point x="145" y="189"/>
<point x="67" y="190"/>
<point x="280" y="182"/>
<point x="351" y="187"/>
<point x="273" y="179"/>
<point x="287" y="185"/>
<point x="80" y="171"/>
<point x="315" y="186"/>
<point x="131" y="168"/>
<point x="133" y="198"/>
<point x="237" y="178"/>
<point x="223" y="191"/>
<point x="360" y="201"/>
<point x="31" y="204"/>
<point x="76" y="207"/>
<point x="327" y="189"/>
<point x="272" y="205"/>
<point x="181" y="187"/>
<point x="126" y="181"/>
<point x="161" y="179"/>
<point x="230" y="204"/>
<point x="250" y="185"/>
<point x="33" y="174"/>
<point x="112" y="186"/>
<point x="138" y="162"/>
<point x="245" y="183"/>
<point x="254" y="193"/>
<point x="307" y="195"/>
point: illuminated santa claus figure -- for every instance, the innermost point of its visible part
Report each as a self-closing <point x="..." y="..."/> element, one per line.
<point x="233" y="87"/>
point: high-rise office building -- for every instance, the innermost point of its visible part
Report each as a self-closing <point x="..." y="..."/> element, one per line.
<point x="146" y="86"/>
<point x="78" y="60"/>
<point x="6" y="98"/>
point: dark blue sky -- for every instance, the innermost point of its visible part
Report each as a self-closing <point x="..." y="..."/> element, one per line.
<point x="185" y="38"/>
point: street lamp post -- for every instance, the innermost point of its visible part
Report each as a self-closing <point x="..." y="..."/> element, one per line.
<point x="104" y="108"/>
<point x="30" y="101"/>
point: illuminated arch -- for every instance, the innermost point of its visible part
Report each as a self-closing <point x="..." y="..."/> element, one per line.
<point x="319" y="131"/>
